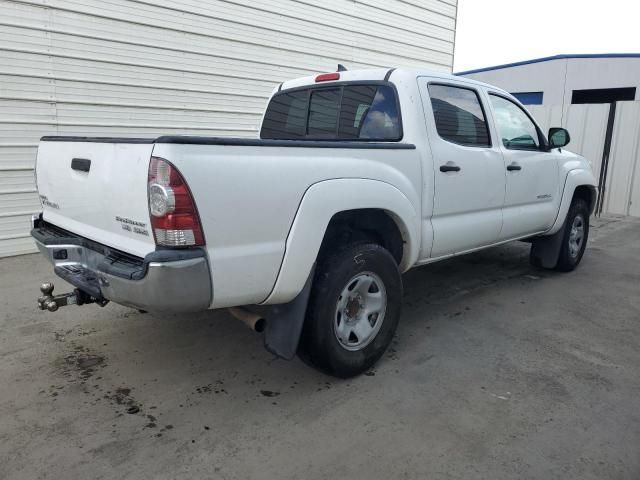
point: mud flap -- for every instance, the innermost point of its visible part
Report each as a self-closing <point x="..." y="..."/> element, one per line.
<point x="284" y="323"/>
<point x="545" y="251"/>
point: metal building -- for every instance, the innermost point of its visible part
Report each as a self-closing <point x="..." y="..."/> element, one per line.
<point x="597" y="98"/>
<point x="567" y="79"/>
<point x="151" y="67"/>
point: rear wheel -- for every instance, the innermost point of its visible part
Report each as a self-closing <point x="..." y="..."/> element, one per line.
<point x="576" y="234"/>
<point x="353" y="311"/>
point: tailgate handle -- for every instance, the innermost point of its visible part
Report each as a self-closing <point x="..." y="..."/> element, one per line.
<point x="81" y="164"/>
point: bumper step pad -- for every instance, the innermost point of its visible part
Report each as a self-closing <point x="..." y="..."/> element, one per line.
<point x="80" y="277"/>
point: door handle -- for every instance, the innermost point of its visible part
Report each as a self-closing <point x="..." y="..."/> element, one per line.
<point x="513" y="166"/>
<point x="81" y="164"/>
<point x="449" y="168"/>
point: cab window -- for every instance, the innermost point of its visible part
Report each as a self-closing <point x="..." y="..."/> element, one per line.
<point x="459" y="115"/>
<point x="517" y="131"/>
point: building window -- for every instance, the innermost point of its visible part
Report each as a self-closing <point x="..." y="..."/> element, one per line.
<point x="604" y="95"/>
<point x="529" y="98"/>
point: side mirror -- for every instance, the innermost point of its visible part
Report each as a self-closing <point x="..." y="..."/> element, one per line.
<point x="558" y="137"/>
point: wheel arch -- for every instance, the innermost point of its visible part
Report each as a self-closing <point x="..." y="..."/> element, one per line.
<point x="579" y="183"/>
<point x="329" y="204"/>
<point x="588" y="193"/>
<point x="366" y="224"/>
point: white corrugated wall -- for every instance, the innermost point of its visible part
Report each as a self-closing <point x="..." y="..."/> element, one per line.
<point x="146" y="68"/>
<point x="622" y="195"/>
<point x="587" y="125"/>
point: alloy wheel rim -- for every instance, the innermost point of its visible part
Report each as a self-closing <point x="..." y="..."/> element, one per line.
<point x="360" y="311"/>
<point x="576" y="236"/>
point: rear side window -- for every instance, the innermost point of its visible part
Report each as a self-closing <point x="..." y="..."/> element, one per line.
<point x="350" y="112"/>
<point x="459" y="115"/>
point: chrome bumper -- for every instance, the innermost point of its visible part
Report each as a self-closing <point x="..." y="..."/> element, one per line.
<point x="164" y="281"/>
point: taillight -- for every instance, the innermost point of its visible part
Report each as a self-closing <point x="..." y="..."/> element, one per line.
<point x="174" y="217"/>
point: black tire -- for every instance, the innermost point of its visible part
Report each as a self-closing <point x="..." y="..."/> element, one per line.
<point x="335" y="271"/>
<point x="570" y="256"/>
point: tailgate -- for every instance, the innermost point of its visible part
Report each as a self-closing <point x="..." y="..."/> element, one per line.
<point x="101" y="195"/>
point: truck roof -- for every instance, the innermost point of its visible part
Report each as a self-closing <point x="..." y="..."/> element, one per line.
<point x="378" y="74"/>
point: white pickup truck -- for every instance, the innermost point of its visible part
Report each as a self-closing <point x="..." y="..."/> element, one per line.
<point x="357" y="177"/>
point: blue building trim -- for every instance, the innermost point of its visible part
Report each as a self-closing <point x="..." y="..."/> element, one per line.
<point x="548" y="59"/>
<point x="529" y="98"/>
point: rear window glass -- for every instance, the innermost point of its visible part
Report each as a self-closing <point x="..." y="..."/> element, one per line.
<point x="350" y="112"/>
<point x="369" y="112"/>
<point x="286" y="116"/>
<point x="323" y="113"/>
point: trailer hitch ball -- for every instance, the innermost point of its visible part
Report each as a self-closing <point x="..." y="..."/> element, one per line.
<point x="46" y="288"/>
<point x="42" y="302"/>
<point x="52" y="306"/>
<point x="78" y="297"/>
<point x="46" y="300"/>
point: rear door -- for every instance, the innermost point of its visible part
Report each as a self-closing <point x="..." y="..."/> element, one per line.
<point x="468" y="168"/>
<point x="531" y="193"/>
<point x="97" y="190"/>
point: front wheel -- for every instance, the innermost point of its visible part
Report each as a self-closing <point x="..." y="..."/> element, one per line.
<point x="576" y="234"/>
<point x="353" y="310"/>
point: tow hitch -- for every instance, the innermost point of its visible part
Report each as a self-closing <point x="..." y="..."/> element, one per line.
<point x="51" y="302"/>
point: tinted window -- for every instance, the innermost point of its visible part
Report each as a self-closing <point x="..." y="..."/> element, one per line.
<point x="369" y="112"/>
<point x="286" y="116"/>
<point x="323" y="113"/>
<point x="350" y="112"/>
<point x="516" y="129"/>
<point x="459" y="116"/>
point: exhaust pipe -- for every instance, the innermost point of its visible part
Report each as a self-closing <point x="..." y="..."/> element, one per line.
<point x="252" y="320"/>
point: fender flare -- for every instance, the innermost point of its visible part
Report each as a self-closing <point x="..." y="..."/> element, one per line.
<point x="575" y="178"/>
<point x="319" y="204"/>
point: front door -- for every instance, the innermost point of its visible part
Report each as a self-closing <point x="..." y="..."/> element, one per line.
<point x="531" y="195"/>
<point x="469" y="170"/>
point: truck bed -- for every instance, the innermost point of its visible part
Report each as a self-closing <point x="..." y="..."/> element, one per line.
<point x="246" y="194"/>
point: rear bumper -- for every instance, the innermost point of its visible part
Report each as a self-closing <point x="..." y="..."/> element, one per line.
<point x="165" y="280"/>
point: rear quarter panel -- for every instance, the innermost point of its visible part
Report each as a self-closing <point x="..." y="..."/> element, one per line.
<point x="248" y="196"/>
